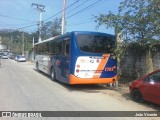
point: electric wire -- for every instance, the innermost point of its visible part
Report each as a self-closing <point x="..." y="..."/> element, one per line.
<point x="13" y="18"/>
<point x="51" y="16"/>
<point x="83" y="9"/>
<point x="76" y="7"/>
<point x="62" y="10"/>
<point x="80" y="23"/>
<point x="78" y="12"/>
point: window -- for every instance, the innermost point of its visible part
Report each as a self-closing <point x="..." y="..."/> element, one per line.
<point x="42" y="48"/>
<point x="96" y="43"/>
<point x="155" y="77"/>
<point x="47" y="47"/>
<point x="66" y="47"/>
<point x="58" y="48"/>
<point x="52" y="47"/>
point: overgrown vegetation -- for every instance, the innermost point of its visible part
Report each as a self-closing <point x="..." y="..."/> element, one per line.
<point x="138" y="23"/>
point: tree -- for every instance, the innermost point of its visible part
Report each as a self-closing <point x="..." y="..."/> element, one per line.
<point x="56" y="27"/>
<point x="13" y="40"/>
<point x="137" y="20"/>
<point x="139" y="24"/>
<point x="51" y="29"/>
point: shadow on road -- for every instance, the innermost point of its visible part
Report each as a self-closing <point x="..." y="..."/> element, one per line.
<point x="122" y="92"/>
<point x="89" y="88"/>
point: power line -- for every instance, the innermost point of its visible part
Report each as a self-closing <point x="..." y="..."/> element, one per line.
<point x="76" y="7"/>
<point x="13" y="18"/>
<point x="27" y="26"/>
<point x="84" y="22"/>
<point x="83" y="9"/>
<point x="62" y="10"/>
<point x="50" y="17"/>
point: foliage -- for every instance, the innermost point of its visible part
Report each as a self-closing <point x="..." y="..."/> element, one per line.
<point x="137" y="21"/>
<point x="13" y="39"/>
<point x="51" y="28"/>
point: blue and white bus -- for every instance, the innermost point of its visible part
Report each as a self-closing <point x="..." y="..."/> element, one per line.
<point x="78" y="57"/>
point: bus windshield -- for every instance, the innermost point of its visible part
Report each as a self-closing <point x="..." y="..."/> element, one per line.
<point x="96" y="43"/>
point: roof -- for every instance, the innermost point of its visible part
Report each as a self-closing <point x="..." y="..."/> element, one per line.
<point x="60" y="36"/>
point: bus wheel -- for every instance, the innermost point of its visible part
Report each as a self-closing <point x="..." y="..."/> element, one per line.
<point x="53" y="75"/>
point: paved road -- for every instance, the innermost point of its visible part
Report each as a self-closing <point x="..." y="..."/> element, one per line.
<point x="22" y="88"/>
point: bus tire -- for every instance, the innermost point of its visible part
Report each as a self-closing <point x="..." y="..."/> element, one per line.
<point x="53" y="75"/>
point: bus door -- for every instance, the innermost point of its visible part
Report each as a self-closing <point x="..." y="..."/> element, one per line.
<point x="62" y="60"/>
<point x="65" y="60"/>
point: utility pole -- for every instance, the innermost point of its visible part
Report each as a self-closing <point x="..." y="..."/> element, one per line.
<point x="23" y="43"/>
<point x="21" y="30"/>
<point x="63" y="17"/>
<point x="40" y="9"/>
<point x="11" y="43"/>
<point x="33" y="41"/>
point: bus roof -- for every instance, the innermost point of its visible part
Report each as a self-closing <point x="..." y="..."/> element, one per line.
<point x="92" y="32"/>
<point x="59" y="36"/>
<point x="46" y="40"/>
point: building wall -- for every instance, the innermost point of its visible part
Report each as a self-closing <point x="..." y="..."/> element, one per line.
<point x="2" y="46"/>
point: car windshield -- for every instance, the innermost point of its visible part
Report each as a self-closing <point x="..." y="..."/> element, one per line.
<point x="155" y="77"/>
<point x="96" y="43"/>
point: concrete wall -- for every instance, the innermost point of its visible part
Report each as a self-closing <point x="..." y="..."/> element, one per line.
<point x="134" y="65"/>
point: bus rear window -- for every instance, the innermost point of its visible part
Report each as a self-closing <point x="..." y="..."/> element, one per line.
<point x="96" y="43"/>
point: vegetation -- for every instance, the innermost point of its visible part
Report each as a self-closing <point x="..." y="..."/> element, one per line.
<point x="13" y="38"/>
<point x="137" y="21"/>
<point x="51" y="28"/>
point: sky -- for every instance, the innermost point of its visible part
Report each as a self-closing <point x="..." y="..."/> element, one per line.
<point x="16" y="14"/>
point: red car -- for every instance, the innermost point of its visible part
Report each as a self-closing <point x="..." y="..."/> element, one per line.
<point x="146" y="88"/>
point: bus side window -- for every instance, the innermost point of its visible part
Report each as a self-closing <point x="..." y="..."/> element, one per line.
<point x="38" y="49"/>
<point x="66" y="46"/>
<point x="42" y="49"/>
<point x="47" y="48"/>
<point x="59" y="48"/>
<point x="52" y="47"/>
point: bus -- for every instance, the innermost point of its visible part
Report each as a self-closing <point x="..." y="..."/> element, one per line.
<point x="79" y="57"/>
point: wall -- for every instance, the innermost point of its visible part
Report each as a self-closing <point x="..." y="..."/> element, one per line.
<point x="2" y="46"/>
<point x="135" y="64"/>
